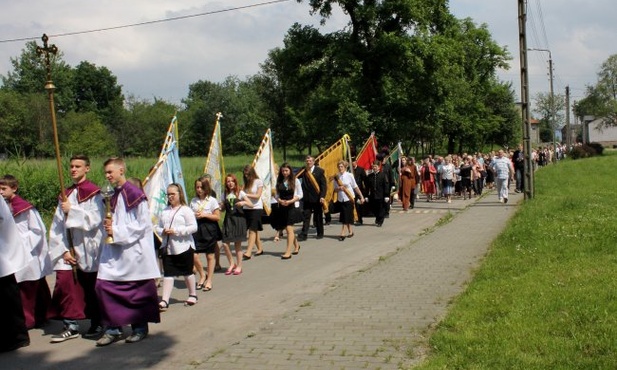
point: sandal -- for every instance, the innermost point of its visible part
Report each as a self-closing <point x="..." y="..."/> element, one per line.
<point x="207" y="289"/>
<point x="229" y="271"/>
<point x="191" y="301"/>
<point x="237" y="271"/>
<point x="200" y="286"/>
<point x="163" y="306"/>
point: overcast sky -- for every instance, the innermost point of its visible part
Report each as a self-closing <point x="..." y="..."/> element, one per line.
<point x="162" y="59"/>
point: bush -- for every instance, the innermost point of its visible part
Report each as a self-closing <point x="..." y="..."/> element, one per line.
<point x="597" y="147"/>
<point x="586" y="150"/>
<point x="578" y="152"/>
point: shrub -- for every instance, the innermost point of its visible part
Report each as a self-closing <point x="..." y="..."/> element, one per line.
<point x="579" y="152"/>
<point x="597" y="147"/>
<point x="587" y="150"/>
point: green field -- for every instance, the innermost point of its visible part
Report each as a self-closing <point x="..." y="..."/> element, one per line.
<point x="546" y="295"/>
<point x="39" y="182"/>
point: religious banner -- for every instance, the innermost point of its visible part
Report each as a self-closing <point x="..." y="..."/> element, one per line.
<point x="167" y="170"/>
<point x="214" y="162"/>
<point x="328" y="160"/>
<point x="394" y="159"/>
<point x="367" y="155"/>
<point x="266" y="170"/>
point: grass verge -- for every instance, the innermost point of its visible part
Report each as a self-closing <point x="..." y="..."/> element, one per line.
<point x="545" y="296"/>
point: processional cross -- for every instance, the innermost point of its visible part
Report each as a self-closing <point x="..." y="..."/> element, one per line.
<point x="48" y="50"/>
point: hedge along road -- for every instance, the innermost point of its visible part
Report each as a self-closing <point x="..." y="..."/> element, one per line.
<point x="238" y="323"/>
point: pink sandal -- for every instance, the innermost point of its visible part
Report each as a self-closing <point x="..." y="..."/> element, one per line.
<point x="230" y="270"/>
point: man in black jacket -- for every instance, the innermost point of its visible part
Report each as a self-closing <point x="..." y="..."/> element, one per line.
<point x="314" y="188"/>
<point x="519" y="167"/>
<point x="378" y="192"/>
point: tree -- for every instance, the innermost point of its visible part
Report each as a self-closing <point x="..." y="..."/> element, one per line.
<point x="84" y="133"/>
<point x="29" y="75"/>
<point x="150" y="120"/>
<point x="601" y="99"/>
<point x="243" y="123"/>
<point x="96" y="90"/>
<point x="544" y="106"/>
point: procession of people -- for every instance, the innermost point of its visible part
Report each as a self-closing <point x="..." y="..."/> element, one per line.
<point x="102" y="248"/>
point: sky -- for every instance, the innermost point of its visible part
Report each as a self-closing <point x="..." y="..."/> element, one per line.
<point x="232" y="37"/>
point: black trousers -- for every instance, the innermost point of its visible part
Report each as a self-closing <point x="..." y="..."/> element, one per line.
<point x="13" y="334"/>
<point x="378" y="207"/>
<point x="317" y="212"/>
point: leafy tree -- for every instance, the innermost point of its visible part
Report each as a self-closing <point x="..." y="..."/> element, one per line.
<point x="150" y="120"/>
<point x="96" y="90"/>
<point x="29" y="75"/>
<point x="544" y="105"/>
<point x="601" y="99"/>
<point x="85" y="133"/>
<point x="26" y="124"/>
<point x="243" y="123"/>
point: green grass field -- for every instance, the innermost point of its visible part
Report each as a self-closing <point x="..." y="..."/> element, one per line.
<point x="39" y="182"/>
<point x="545" y="296"/>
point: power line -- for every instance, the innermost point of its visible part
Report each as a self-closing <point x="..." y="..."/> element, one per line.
<point x="164" y="20"/>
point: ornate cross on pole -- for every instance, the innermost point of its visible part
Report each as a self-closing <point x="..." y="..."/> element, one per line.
<point x="47" y="50"/>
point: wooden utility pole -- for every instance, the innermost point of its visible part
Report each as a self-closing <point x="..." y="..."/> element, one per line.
<point x="568" y="130"/>
<point x="528" y="171"/>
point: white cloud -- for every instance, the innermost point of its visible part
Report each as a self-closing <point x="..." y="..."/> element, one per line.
<point x="163" y="59"/>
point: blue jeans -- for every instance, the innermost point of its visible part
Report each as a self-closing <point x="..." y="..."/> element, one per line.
<point x="519" y="179"/>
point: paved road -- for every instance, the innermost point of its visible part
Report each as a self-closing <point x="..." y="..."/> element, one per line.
<point x="358" y="304"/>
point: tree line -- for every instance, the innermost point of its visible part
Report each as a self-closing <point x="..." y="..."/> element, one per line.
<point x="407" y="70"/>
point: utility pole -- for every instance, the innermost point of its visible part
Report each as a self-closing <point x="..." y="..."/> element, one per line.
<point x="528" y="170"/>
<point x="552" y="97"/>
<point x="568" y="131"/>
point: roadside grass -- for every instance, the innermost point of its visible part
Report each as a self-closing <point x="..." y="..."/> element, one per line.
<point x="545" y="297"/>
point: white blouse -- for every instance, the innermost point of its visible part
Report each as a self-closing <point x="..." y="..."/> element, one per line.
<point x="183" y="222"/>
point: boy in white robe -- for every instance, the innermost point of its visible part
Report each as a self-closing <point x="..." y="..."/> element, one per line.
<point x="81" y="217"/>
<point x="33" y="287"/>
<point x="128" y="266"/>
<point x="13" y="257"/>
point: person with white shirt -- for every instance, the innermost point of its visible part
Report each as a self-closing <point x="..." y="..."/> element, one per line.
<point x="128" y="267"/>
<point x="345" y="186"/>
<point x="80" y="216"/>
<point x="176" y="227"/>
<point x="33" y="287"/>
<point x="13" y="257"/>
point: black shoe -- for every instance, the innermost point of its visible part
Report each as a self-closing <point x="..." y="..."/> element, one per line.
<point x="378" y="224"/>
<point x="319" y="237"/>
<point x="301" y="237"/>
<point x="94" y="332"/>
<point x="505" y="200"/>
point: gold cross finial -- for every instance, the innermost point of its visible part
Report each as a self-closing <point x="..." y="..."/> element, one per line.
<point x="46" y="50"/>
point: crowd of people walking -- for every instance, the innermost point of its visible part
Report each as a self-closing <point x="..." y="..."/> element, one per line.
<point x="107" y="255"/>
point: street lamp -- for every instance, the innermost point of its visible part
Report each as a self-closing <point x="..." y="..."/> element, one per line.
<point x="552" y="105"/>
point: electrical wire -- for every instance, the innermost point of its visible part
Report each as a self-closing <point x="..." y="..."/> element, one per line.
<point x="147" y="23"/>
